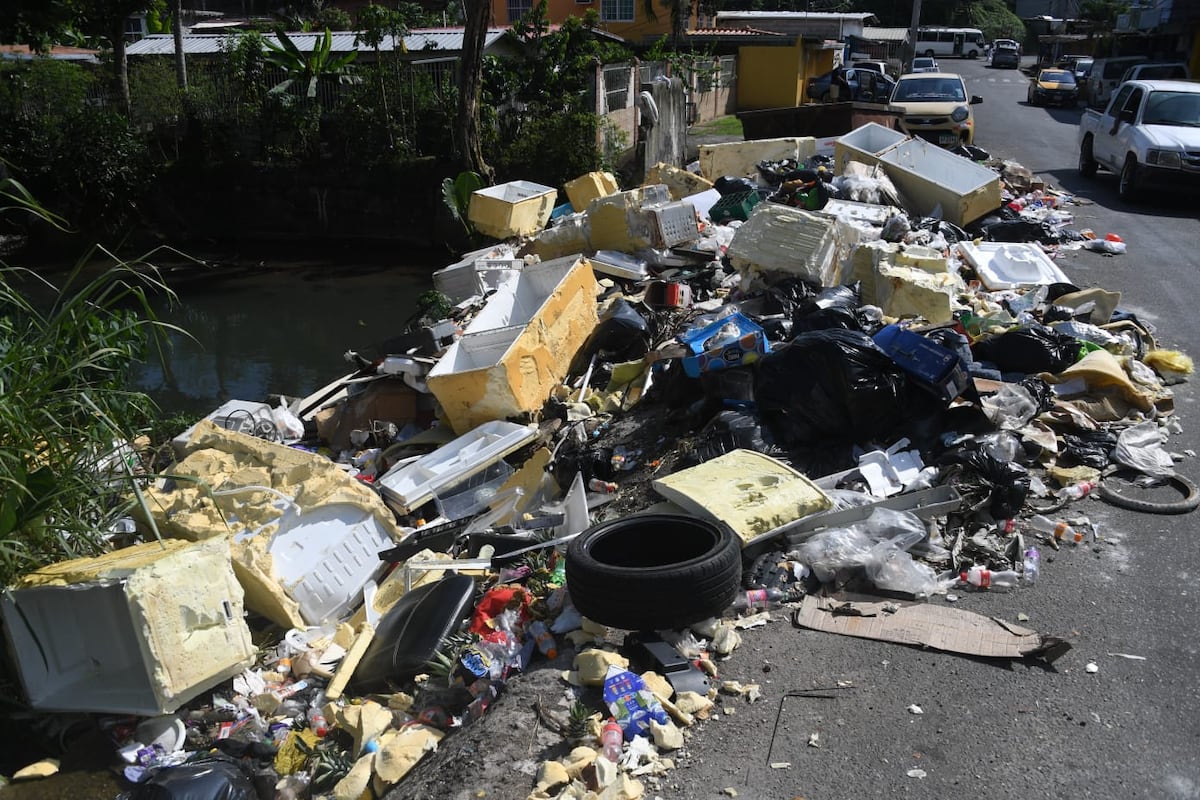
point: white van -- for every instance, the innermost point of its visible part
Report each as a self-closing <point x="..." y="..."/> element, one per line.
<point x="1157" y="71"/>
<point x="1107" y="74"/>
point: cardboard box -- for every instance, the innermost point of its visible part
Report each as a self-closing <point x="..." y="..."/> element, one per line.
<point x="137" y="631"/>
<point x="516" y="208"/>
<point x="932" y="366"/>
<point x="748" y="346"/>
<point x="519" y="347"/>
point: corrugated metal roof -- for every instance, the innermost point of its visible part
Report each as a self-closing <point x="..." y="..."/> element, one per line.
<point x="885" y="34"/>
<point x="422" y="40"/>
<point x="825" y="16"/>
<point x="732" y="32"/>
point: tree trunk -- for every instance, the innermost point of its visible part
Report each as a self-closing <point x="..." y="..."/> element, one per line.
<point x="121" y="66"/>
<point x="467" y="141"/>
<point x="177" y="29"/>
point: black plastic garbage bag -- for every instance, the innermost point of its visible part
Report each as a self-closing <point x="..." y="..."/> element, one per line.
<point x="731" y="430"/>
<point x="204" y="779"/>
<point x="1020" y="230"/>
<point x="1029" y="349"/>
<point x="728" y="184"/>
<point x="830" y="385"/>
<point x="622" y="335"/>
<point x="833" y="307"/>
<point x="1087" y="448"/>
<point x="1008" y="481"/>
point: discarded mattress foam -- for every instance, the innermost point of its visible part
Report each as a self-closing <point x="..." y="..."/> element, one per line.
<point x="908" y="291"/>
<point x="953" y="630"/>
<point x="778" y="238"/>
<point x="679" y="182"/>
<point x="137" y="631"/>
<point x="519" y="347"/>
<point x="239" y="488"/>
<point x="750" y="492"/>
<point x="1003" y="265"/>
<point x="586" y="188"/>
<point x="406" y="487"/>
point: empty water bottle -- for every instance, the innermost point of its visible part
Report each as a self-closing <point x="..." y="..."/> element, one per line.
<point x="611" y="740"/>
<point x="1032" y="562"/>
<point x="1076" y="490"/>
<point x="985" y="578"/>
<point x="1059" y="530"/>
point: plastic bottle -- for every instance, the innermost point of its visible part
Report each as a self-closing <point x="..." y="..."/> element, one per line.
<point x="1032" y="564"/>
<point x="611" y="740"/>
<point x="759" y="598"/>
<point x="1076" y="490"/>
<point x="604" y="487"/>
<point x="544" y="638"/>
<point x="1006" y="526"/>
<point x="1059" y="530"/>
<point x="985" y="578"/>
<point x="316" y="721"/>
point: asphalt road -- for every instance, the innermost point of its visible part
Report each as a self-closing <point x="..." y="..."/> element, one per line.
<point x="999" y="729"/>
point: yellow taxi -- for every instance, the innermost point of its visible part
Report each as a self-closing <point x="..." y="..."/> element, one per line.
<point x="1053" y="86"/>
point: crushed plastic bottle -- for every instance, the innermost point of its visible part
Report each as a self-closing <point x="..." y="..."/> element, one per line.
<point x="762" y="598"/>
<point x="985" y="578"/>
<point x="544" y="639"/>
<point x="1059" y="530"/>
<point x="1076" y="491"/>
<point x="611" y="740"/>
<point x="603" y="487"/>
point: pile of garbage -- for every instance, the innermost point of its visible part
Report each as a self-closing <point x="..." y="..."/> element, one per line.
<point x="636" y="424"/>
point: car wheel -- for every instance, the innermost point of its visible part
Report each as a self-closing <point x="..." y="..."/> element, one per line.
<point x="973" y="54"/>
<point x="1127" y="188"/>
<point x="1087" y="162"/>
<point x="653" y="571"/>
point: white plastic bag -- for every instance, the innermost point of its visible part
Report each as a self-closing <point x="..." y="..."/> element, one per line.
<point x="834" y="553"/>
<point x="287" y="423"/>
<point x="1141" y="447"/>
<point x="1010" y="407"/>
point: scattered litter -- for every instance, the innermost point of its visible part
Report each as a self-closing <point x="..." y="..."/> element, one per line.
<point x="814" y="739"/>
<point x="915" y="709"/>
<point x="781" y="765"/>
<point x="1092" y="668"/>
<point x="1129" y="656"/>
<point x="916" y="773"/>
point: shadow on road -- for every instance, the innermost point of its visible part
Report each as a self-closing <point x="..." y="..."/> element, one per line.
<point x="1102" y="190"/>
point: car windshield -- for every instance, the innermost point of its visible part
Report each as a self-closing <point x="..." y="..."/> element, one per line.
<point x="1181" y="109"/>
<point x="929" y="90"/>
<point x="1056" y="76"/>
<point x="923" y="62"/>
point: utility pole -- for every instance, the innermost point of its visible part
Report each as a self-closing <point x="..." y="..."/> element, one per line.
<point x="177" y="30"/>
<point x="912" y="30"/>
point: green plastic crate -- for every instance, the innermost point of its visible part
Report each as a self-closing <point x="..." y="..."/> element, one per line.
<point x="734" y="206"/>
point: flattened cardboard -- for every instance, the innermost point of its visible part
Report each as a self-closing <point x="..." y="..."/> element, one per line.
<point x="952" y="630"/>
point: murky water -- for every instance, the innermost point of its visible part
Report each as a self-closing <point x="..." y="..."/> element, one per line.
<point x="278" y="330"/>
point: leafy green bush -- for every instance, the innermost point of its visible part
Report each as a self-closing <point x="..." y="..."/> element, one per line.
<point x="66" y="468"/>
<point x="550" y="149"/>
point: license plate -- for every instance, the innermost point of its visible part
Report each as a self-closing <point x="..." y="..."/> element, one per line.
<point x="946" y="139"/>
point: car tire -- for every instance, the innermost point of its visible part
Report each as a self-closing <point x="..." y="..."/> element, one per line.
<point x="1087" y="161"/>
<point x="974" y="54"/>
<point x="1127" y="184"/>
<point x="653" y="571"/>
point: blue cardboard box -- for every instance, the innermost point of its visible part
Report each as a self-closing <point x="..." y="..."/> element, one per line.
<point x="728" y="342"/>
<point x="932" y="366"/>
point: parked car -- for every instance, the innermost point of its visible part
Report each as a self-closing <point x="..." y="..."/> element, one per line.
<point x="1106" y="75"/>
<point x="924" y="64"/>
<point x="936" y="107"/>
<point x="1005" y="56"/>
<point x="1149" y="134"/>
<point x="1053" y="87"/>
<point x="1157" y="71"/>
<point x="865" y="84"/>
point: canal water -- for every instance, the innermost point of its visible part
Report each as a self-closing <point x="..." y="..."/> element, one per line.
<point x="259" y="329"/>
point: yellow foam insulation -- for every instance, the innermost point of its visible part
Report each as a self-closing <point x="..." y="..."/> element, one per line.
<point x="219" y="459"/>
<point x="757" y="494"/>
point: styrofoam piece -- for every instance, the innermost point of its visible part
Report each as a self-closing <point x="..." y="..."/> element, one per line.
<point x="407" y="487"/>
<point x="238" y="415"/>
<point x="704" y="201"/>
<point x="619" y="265"/>
<point x="854" y="211"/>
<point x="887" y="473"/>
<point x="140" y="630"/>
<point x="778" y="238"/>
<point x="166" y="731"/>
<point x="323" y="557"/>
<point x="1011" y="265"/>
<point x="931" y="177"/>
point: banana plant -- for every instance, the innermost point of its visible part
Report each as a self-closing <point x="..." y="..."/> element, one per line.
<point x="305" y="70"/>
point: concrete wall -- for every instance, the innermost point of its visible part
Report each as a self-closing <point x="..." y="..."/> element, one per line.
<point x="667" y="140"/>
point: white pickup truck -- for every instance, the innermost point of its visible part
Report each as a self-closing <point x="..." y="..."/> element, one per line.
<point x="1149" y="134"/>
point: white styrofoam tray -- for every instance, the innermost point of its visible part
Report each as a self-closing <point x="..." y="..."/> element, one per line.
<point x="1011" y="265"/>
<point x="407" y="486"/>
